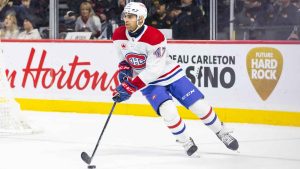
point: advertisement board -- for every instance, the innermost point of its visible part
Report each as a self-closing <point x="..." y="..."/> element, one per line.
<point x="241" y="80"/>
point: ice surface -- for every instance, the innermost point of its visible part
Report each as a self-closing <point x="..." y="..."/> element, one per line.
<point x="132" y="142"/>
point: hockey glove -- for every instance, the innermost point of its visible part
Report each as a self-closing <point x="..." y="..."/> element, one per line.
<point x="124" y="91"/>
<point x="125" y="71"/>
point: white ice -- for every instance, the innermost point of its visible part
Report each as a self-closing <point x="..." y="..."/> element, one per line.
<point x="132" y="142"/>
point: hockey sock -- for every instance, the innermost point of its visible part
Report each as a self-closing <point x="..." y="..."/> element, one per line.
<point x="207" y="115"/>
<point x="169" y="113"/>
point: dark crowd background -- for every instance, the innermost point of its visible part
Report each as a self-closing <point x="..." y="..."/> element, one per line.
<point x="186" y="19"/>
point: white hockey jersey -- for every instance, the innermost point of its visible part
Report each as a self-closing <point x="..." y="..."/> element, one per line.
<point x="147" y="55"/>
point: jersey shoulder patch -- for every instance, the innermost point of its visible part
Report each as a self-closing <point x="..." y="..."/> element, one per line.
<point x="120" y="33"/>
<point x="152" y="36"/>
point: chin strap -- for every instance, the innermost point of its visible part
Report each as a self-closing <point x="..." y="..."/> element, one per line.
<point x="138" y="26"/>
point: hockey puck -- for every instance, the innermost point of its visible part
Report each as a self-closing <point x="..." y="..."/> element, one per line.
<point x="92" y="167"/>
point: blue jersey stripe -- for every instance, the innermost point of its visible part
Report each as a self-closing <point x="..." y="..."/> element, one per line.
<point x="167" y="77"/>
<point x="181" y="131"/>
<point x="210" y="123"/>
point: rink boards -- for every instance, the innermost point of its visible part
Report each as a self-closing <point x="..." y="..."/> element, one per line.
<point x="246" y="81"/>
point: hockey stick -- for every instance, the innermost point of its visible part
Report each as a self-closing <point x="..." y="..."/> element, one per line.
<point x="84" y="156"/>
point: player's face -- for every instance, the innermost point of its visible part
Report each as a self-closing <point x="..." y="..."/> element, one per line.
<point x="130" y="22"/>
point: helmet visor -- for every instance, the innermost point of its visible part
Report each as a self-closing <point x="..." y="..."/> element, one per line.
<point x="128" y="15"/>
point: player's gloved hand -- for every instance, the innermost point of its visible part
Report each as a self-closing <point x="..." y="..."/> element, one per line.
<point x="125" y="71"/>
<point x="124" y="91"/>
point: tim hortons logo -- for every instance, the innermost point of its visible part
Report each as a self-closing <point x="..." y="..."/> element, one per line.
<point x="264" y="65"/>
<point x="137" y="61"/>
<point x="75" y="75"/>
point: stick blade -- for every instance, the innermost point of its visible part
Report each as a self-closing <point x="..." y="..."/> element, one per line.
<point x="86" y="158"/>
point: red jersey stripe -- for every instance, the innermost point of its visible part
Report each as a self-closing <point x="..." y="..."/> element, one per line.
<point x="166" y="74"/>
<point x="205" y="117"/>
<point x="176" y="125"/>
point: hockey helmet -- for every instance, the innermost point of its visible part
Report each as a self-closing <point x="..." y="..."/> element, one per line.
<point x="136" y="8"/>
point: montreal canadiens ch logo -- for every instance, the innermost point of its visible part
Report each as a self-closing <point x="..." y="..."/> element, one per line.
<point x="136" y="61"/>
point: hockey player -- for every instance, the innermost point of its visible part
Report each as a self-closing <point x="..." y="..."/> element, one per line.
<point x="145" y="66"/>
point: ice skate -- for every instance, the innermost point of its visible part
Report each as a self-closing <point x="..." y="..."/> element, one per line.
<point x="190" y="147"/>
<point x="229" y="141"/>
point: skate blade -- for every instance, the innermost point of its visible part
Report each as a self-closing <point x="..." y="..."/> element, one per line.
<point x="195" y="155"/>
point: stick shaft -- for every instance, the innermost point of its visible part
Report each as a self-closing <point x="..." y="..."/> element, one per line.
<point x="99" y="139"/>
